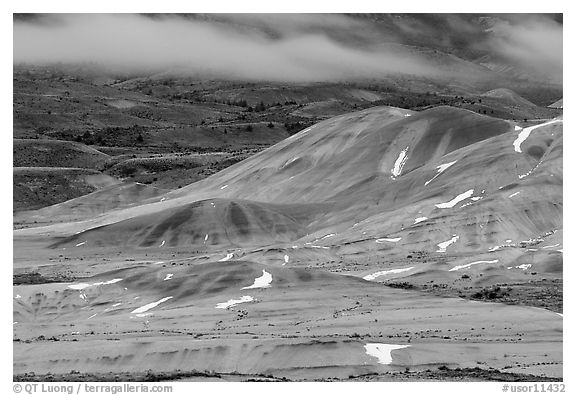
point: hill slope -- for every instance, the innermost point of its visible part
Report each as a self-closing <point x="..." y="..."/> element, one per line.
<point x="380" y="166"/>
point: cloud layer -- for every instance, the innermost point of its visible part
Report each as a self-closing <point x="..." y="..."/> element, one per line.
<point x="534" y="42"/>
<point x="284" y="47"/>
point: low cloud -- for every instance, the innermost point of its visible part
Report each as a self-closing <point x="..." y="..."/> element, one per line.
<point x="534" y="43"/>
<point x="274" y="47"/>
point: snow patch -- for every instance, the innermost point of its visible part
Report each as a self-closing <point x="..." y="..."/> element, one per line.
<point x="163" y="242"/>
<point x="514" y="194"/>
<point x="168" y="277"/>
<point x="234" y="302"/>
<point x="382" y="351"/>
<point x="386" y="272"/>
<point x="420" y="219"/>
<point x="288" y="162"/>
<point x="261" y="282"/>
<point x="390" y="240"/>
<point x="440" y="168"/>
<point x="149" y="306"/>
<point x="442" y="246"/>
<point x="225" y="186"/>
<point x="470" y="264"/>
<point x="525" y="133"/>
<point x="286" y="259"/>
<point x="227" y="257"/>
<point x="108" y="282"/>
<point x="525" y="266"/>
<point x="456" y="200"/>
<point x="82" y="286"/>
<point x="80" y="244"/>
<point x="400" y="162"/>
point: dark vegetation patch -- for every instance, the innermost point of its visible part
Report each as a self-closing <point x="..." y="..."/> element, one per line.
<point x="543" y="293"/>
<point x="37" y="278"/>
<point x="147" y="376"/>
<point x="444" y="373"/>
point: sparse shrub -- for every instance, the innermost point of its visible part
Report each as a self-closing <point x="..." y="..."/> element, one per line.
<point x="260" y="107"/>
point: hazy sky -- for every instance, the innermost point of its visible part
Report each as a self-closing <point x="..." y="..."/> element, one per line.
<point x="309" y="47"/>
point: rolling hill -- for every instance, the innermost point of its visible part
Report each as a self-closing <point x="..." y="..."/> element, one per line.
<point x="290" y="250"/>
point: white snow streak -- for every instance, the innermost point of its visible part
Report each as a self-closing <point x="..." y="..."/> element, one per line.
<point x="442" y="246"/>
<point x="227" y="257"/>
<point x="84" y="285"/>
<point x="233" y="302"/>
<point x="420" y="219"/>
<point x="525" y="133"/>
<point x="149" y="306"/>
<point x="382" y="351"/>
<point x="400" y="162"/>
<point x="470" y="264"/>
<point x="393" y="240"/>
<point x="261" y="282"/>
<point x="440" y="168"/>
<point x="386" y="272"/>
<point x="459" y="198"/>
